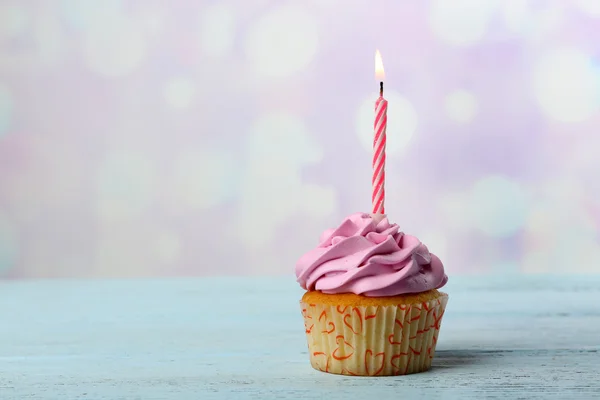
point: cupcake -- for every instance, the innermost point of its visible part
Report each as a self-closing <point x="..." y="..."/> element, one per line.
<point x="372" y="307"/>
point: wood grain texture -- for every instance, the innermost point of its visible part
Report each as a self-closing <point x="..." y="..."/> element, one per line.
<point x="243" y="338"/>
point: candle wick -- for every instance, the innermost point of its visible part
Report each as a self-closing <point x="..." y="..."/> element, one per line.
<point x="380" y="89"/>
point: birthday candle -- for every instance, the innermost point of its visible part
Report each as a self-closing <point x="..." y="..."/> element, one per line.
<point x="379" y="141"/>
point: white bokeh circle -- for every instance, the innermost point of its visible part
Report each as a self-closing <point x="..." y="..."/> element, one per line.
<point x="546" y="21"/>
<point x="49" y="35"/>
<point x="402" y="122"/>
<point x="453" y="207"/>
<point x="559" y="208"/>
<point x="83" y="14"/>
<point x="153" y="19"/>
<point x="437" y="243"/>
<point x="14" y="20"/>
<point x="179" y="92"/>
<point x="578" y="254"/>
<point x="328" y="4"/>
<point x="167" y="246"/>
<point x="319" y="201"/>
<point x="124" y="251"/>
<point x="6" y="109"/>
<point x="536" y="262"/>
<point x="8" y="244"/>
<point x="217" y="30"/>
<point x="560" y="231"/>
<point x="114" y="47"/>
<point x="283" y="41"/>
<point x="590" y="7"/>
<point x="582" y="162"/>
<point x="204" y="179"/>
<point x="566" y="85"/>
<point x="498" y="206"/>
<point x="272" y="187"/>
<point x="125" y="185"/>
<point x="282" y="139"/>
<point x="517" y="14"/>
<point x="461" y="106"/>
<point x="460" y="22"/>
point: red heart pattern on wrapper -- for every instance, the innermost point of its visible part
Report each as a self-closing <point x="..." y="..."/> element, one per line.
<point x="373" y="340"/>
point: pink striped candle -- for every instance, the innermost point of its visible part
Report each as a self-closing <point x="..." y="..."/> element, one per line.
<point x="380" y="127"/>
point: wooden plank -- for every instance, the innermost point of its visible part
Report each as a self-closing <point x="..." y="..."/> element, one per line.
<point x="219" y="338"/>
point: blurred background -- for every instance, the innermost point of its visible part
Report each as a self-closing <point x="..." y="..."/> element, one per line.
<point x="155" y="138"/>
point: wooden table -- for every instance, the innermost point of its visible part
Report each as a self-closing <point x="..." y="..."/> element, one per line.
<point x="242" y="338"/>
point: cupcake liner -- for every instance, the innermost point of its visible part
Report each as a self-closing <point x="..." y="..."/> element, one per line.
<point x="373" y="340"/>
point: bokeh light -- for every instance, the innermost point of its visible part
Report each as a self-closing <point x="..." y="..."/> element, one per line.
<point x="50" y="39"/>
<point x="8" y="244"/>
<point x="436" y="241"/>
<point x="6" y="108"/>
<point x="402" y="122"/>
<point x="14" y="19"/>
<point x="453" y="206"/>
<point x="217" y="30"/>
<point x="498" y="206"/>
<point x="168" y="247"/>
<point x="114" y="46"/>
<point x="179" y="92"/>
<point x="560" y="232"/>
<point x="272" y="188"/>
<point x="203" y="179"/>
<point x="125" y="185"/>
<point x="517" y="14"/>
<point x="460" y="22"/>
<point x="282" y="42"/>
<point x="154" y="135"/>
<point x="153" y="19"/>
<point x="318" y="201"/>
<point x="83" y="14"/>
<point x="461" y="106"/>
<point x="591" y="7"/>
<point x="566" y="85"/>
<point x="119" y="252"/>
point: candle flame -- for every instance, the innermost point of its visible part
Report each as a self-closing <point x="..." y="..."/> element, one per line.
<point x="379" y="73"/>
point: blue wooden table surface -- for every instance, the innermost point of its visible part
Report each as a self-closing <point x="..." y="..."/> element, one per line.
<point x="243" y="338"/>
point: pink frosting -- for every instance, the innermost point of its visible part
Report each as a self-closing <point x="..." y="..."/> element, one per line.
<point x="371" y="258"/>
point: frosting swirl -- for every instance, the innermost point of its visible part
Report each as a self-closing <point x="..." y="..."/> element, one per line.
<point x="369" y="257"/>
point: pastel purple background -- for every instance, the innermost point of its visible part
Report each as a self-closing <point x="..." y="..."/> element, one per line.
<point x="143" y="138"/>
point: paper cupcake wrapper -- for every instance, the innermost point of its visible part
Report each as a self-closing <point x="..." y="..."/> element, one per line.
<point x="373" y="340"/>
